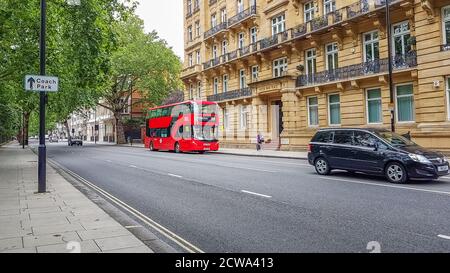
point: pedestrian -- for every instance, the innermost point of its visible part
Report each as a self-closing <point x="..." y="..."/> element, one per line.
<point x="259" y="141"/>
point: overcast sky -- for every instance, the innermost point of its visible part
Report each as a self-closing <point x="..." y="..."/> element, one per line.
<point x="166" y="17"/>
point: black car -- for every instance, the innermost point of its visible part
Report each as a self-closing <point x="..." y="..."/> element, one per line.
<point x="374" y="151"/>
<point x="75" y="141"/>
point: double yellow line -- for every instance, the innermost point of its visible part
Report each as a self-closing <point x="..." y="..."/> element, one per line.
<point x="151" y="223"/>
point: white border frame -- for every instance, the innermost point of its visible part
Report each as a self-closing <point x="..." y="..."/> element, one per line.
<point x="393" y="36"/>
<point x="329" y="110"/>
<point x="367" y="105"/>
<point x="414" y="104"/>
<point x="443" y="24"/>
<point x="447" y="95"/>
<point x="332" y="52"/>
<point x="364" y="43"/>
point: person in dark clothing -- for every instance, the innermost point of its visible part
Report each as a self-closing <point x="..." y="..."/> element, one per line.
<point x="259" y="141"/>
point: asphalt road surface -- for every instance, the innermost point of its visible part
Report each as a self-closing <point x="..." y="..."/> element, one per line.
<point x="226" y="203"/>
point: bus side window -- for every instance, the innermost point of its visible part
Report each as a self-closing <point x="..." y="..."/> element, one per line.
<point x="164" y="133"/>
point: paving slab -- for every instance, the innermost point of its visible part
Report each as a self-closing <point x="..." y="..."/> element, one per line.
<point x="126" y="241"/>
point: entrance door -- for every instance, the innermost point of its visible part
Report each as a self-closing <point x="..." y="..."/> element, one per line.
<point x="277" y="119"/>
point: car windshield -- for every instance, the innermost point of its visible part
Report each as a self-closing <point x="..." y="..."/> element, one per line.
<point x="395" y="139"/>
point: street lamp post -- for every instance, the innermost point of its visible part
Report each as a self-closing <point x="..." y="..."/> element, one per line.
<point x="42" y="176"/>
<point x="391" y="84"/>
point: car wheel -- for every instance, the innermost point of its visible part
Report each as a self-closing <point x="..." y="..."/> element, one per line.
<point x="177" y="148"/>
<point x="396" y="173"/>
<point x="322" y="166"/>
<point x="201" y="152"/>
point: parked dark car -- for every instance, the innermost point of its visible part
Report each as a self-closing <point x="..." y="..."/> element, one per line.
<point x="75" y="141"/>
<point x="374" y="151"/>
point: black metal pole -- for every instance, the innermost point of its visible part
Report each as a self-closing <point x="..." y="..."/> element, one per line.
<point x="42" y="177"/>
<point x="23" y="130"/>
<point x="95" y="125"/>
<point x="391" y="83"/>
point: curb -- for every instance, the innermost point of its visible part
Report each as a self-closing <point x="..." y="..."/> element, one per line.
<point x="268" y="156"/>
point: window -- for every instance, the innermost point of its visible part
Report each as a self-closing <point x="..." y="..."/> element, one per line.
<point x="198" y="57"/>
<point x="323" y="137"/>
<point x="446" y="24"/>
<point x="191" y="91"/>
<point x="278" y="24"/>
<point x="190" y="60"/>
<point x="448" y="97"/>
<point x="374" y="110"/>
<point x="225" y="83"/>
<point x="213" y="20"/>
<point x="329" y="6"/>
<point x="400" y="38"/>
<point x="226" y="118"/>
<point x="199" y="90"/>
<point x="244" y="116"/>
<point x="279" y="67"/>
<point x="364" y="139"/>
<point x="253" y="35"/>
<point x="331" y="51"/>
<point x="344" y="137"/>
<point x="197" y="4"/>
<point x="334" y="109"/>
<point x="310" y="58"/>
<point x="197" y="28"/>
<point x="240" y="6"/>
<point x="223" y="15"/>
<point x="255" y="72"/>
<point x="241" y="40"/>
<point x="371" y="46"/>
<point x="216" y="86"/>
<point x="309" y="11"/>
<point x="224" y="47"/>
<point x="190" y="33"/>
<point x="313" y="111"/>
<point x="242" y="83"/>
<point x="189" y="6"/>
<point x="405" y="102"/>
<point x="214" y="51"/>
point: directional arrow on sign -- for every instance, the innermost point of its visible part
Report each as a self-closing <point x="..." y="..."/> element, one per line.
<point x="31" y="81"/>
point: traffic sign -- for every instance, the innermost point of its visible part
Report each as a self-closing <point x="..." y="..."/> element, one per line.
<point x="41" y="83"/>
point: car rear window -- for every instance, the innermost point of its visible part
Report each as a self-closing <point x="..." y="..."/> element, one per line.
<point x="323" y="137"/>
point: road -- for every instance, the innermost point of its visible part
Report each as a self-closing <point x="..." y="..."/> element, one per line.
<point x="226" y="203"/>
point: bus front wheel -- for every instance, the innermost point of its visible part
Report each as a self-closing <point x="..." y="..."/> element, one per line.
<point x="177" y="148"/>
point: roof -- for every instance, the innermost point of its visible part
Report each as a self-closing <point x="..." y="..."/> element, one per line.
<point x="370" y="129"/>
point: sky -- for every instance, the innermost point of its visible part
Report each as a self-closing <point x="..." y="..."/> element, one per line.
<point x="166" y="17"/>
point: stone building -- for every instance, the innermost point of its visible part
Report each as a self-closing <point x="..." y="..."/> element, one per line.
<point x="288" y="67"/>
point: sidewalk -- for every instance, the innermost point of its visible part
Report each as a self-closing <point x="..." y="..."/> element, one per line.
<point x="62" y="220"/>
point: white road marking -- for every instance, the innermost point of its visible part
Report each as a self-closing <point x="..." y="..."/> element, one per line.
<point x="108" y="161"/>
<point x="445" y="177"/>
<point x="128" y="227"/>
<point x="161" y="229"/>
<point x="174" y="175"/>
<point x="258" y="194"/>
<point x="387" y="185"/>
<point x="132" y="166"/>
<point x="444" y="236"/>
<point x="282" y="163"/>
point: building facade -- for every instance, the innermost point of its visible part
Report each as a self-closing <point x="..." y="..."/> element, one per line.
<point x="286" y="68"/>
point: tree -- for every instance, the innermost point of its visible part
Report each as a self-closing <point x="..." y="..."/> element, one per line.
<point x="80" y="41"/>
<point x="142" y="63"/>
<point x="174" y="97"/>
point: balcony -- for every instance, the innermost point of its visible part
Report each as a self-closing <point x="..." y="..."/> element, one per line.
<point x="231" y="95"/>
<point x="357" y="9"/>
<point x="319" y="22"/>
<point x="188" y="71"/>
<point x="358" y="70"/>
<point x="211" y="63"/>
<point x="211" y="32"/>
<point x="445" y="47"/>
<point x="196" y="9"/>
<point x="212" y="2"/>
<point x="229" y="56"/>
<point x="241" y="16"/>
<point x="274" y="40"/>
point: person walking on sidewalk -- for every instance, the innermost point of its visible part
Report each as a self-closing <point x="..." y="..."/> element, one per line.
<point x="259" y="141"/>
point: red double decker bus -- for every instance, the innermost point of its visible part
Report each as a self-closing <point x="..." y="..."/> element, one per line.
<point x="183" y="127"/>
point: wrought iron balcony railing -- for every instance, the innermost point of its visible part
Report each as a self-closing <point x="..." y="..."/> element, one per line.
<point x="357" y="70"/>
<point x="229" y="56"/>
<point x="230" y="95"/>
<point x="298" y="31"/>
<point x="273" y="40"/>
<point x="336" y="16"/>
<point x="215" y="29"/>
<point x="357" y="9"/>
<point x="211" y="63"/>
<point x="242" y="16"/>
<point x="319" y="22"/>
